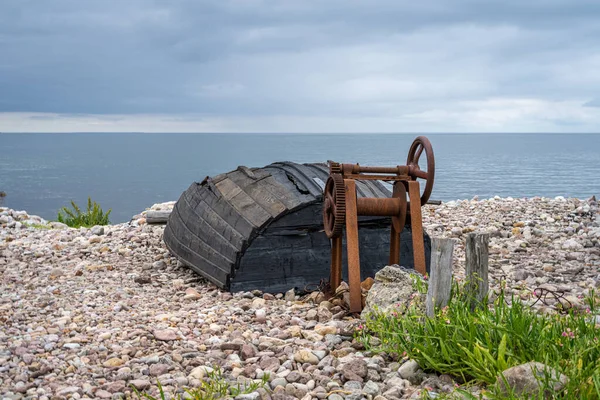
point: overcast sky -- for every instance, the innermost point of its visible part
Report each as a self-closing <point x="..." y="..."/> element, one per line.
<point x="300" y="66"/>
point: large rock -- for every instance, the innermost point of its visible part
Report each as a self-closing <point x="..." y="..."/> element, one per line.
<point x="526" y="379"/>
<point x="392" y="290"/>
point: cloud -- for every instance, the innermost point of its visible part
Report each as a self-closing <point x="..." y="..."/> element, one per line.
<point x="300" y="66"/>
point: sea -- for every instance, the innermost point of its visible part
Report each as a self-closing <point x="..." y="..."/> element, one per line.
<point x="128" y="172"/>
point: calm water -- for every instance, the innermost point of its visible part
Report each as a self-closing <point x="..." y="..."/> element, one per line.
<point x="128" y="172"/>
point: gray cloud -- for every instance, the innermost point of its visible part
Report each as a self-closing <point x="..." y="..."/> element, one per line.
<point x="497" y="62"/>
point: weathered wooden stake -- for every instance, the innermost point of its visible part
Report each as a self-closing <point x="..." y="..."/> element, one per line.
<point x="157" y="217"/>
<point x="476" y="268"/>
<point x="440" y="281"/>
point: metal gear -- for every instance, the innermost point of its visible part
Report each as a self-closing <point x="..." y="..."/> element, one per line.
<point x="334" y="206"/>
<point x="334" y="167"/>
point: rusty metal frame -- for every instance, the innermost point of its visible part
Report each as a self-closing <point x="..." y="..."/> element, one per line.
<point x="343" y="210"/>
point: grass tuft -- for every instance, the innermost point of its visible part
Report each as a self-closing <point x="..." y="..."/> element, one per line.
<point x="37" y="226"/>
<point x="75" y="218"/>
<point x="476" y="346"/>
<point x="214" y="387"/>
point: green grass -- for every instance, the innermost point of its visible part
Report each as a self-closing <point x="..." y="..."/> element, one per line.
<point x="215" y="386"/>
<point x="37" y="226"/>
<point x="475" y="346"/>
<point x="75" y="218"/>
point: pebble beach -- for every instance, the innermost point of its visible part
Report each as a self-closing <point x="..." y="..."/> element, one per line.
<point x="91" y="313"/>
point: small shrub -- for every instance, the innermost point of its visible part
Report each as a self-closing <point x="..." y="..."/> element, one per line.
<point x="75" y="218"/>
<point x="214" y="387"/>
<point x="476" y="346"/>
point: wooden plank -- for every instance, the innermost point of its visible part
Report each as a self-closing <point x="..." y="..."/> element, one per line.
<point x="243" y="203"/>
<point x="259" y="192"/>
<point x="222" y="208"/>
<point x="285" y="256"/>
<point x="204" y="210"/>
<point x="440" y="281"/>
<point x="196" y="243"/>
<point x="228" y="245"/>
<point x="301" y="177"/>
<point x="198" y="263"/>
<point x="194" y="238"/>
<point x="309" y="216"/>
<point x="228" y="189"/>
<point x="281" y="177"/>
<point x="476" y="267"/>
<point x="291" y="201"/>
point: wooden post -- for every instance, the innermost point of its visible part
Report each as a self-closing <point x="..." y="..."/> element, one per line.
<point x="440" y="281"/>
<point x="352" y="246"/>
<point x="476" y="268"/>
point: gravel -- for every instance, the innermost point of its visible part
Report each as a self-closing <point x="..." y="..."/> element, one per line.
<point x="90" y="313"/>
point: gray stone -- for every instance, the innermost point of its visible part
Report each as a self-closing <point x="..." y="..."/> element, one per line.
<point x="248" y="396"/>
<point x="278" y="382"/>
<point x="408" y="370"/>
<point x="140" y="384"/>
<point x="353" y="385"/>
<point x="98" y="230"/>
<point x="520" y="275"/>
<point x="269" y="364"/>
<point x="290" y="295"/>
<point x="354" y="370"/>
<point x="143" y="279"/>
<point x="371" y="388"/>
<point x="70" y="390"/>
<point x="158" y="369"/>
<point x="525" y="379"/>
<point x="165" y="334"/>
<point x="392" y="289"/>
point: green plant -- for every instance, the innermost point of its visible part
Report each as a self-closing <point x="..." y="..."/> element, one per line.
<point x="214" y="387"/>
<point x="75" y="218"/>
<point x="37" y="226"/>
<point x="475" y="346"/>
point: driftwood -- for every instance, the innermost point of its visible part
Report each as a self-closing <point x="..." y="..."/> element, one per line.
<point x="440" y="280"/>
<point x="157" y="217"/>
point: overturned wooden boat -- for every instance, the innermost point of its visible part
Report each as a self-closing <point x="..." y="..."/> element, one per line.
<point x="262" y="228"/>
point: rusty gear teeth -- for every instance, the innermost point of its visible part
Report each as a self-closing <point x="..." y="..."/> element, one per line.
<point x="335" y="168"/>
<point x="334" y="214"/>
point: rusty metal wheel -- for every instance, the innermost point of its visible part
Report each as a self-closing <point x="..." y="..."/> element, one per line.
<point x="334" y="206"/>
<point x="414" y="154"/>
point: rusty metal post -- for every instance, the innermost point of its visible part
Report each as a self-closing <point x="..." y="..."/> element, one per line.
<point x="398" y="221"/>
<point x="394" y="246"/>
<point x="335" y="277"/>
<point x="417" y="228"/>
<point x="352" y="246"/>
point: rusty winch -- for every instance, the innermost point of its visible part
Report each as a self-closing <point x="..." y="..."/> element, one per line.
<point x="341" y="208"/>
